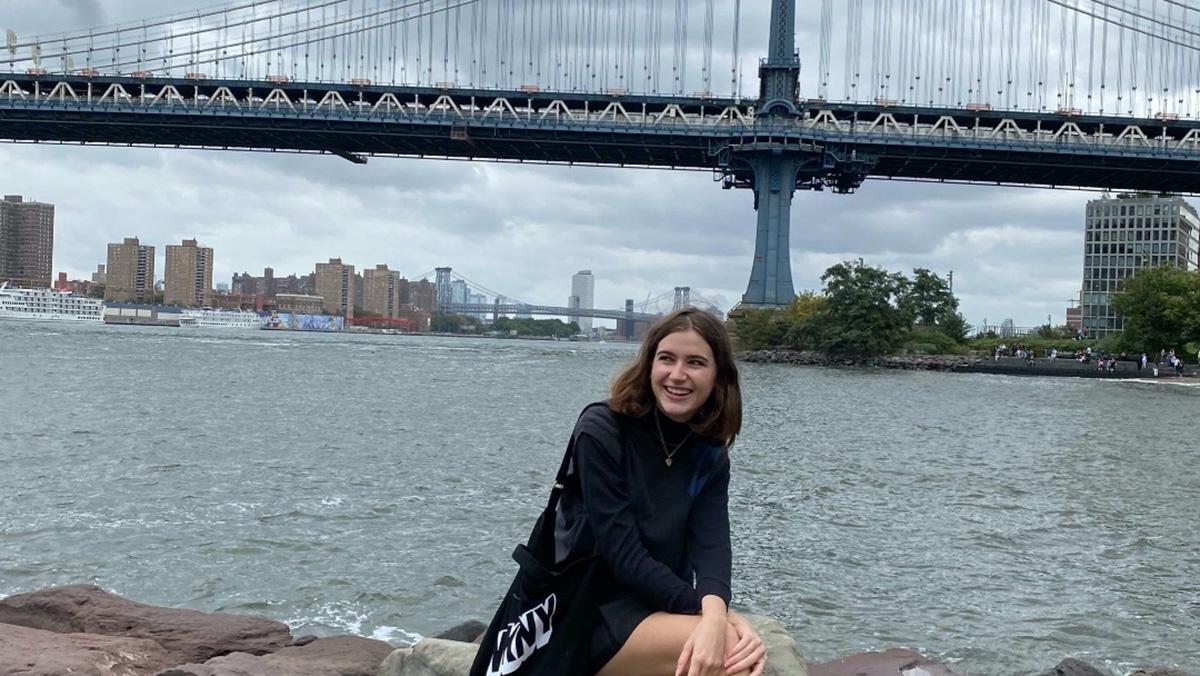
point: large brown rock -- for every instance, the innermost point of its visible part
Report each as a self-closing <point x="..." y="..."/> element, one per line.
<point x="35" y="652"/>
<point x="188" y="635"/>
<point x="431" y="657"/>
<point x="783" y="655"/>
<point x="893" y="662"/>
<point x="335" y="656"/>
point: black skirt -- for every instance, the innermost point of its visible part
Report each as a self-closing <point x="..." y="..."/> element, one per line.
<point x="618" y="618"/>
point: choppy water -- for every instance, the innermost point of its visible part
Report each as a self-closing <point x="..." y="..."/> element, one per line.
<point x="376" y="485"/>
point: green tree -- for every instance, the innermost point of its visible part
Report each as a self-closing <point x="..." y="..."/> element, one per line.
<point x="802" y="322"/>
<point x="448" y="323"/>
<point x="861" y="315"/>
<point x="759" y="329"/>
<point x="953" y="324"/>
<point x="928" y="298"/>
<point x="806" y="306"/>
<point x="537" y="327"/>
<point x="1161" y="307"/>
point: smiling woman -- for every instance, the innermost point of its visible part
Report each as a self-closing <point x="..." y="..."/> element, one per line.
<point x="648" y="493"/>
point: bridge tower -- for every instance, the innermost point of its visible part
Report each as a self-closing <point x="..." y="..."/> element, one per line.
<point x="683" y="297"/>
<point x="442" y="288"/>
<point x="773" y="163"/>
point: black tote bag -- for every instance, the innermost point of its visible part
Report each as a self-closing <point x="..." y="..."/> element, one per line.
<point x="544" y="624"/>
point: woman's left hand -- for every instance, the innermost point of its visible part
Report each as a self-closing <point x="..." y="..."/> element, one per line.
<point x="703" y="654"/>
<point x="749" y="652"/>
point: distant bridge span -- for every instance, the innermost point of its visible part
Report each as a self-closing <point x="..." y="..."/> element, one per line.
<point x="544" y="310"/>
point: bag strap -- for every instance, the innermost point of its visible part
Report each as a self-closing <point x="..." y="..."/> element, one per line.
<point x="542" y="538"/>
<point x="560" y="479"/>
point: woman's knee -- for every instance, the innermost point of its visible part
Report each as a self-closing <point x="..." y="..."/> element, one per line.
<point x="654" y="646"/>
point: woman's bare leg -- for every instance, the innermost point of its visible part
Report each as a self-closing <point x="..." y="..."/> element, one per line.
<point x="653" y="648"/>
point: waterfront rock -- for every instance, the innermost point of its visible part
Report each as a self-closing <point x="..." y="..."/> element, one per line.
<point x="187" y="635"/>
<point x="431" y="657"/>
<point x="37" y="652"/>
<point x="1073" y="667"/>
<point x="334" y="656"/>
<point x="893" y="662"/>
<point x="467" y="632"/>
<point x="439" y="657"/>
<point x="783" y="656"/>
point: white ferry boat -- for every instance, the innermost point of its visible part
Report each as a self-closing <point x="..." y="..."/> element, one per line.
<point x="48" y="305"/>
<point x="222" y="319"/>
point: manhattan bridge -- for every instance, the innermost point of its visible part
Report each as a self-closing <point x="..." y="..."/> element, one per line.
<point x="1090" y="94"/>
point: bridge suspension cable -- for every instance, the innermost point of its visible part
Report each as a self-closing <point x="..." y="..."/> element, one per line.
<point x="574" y="45"/>
<point x="1127" y="57"/>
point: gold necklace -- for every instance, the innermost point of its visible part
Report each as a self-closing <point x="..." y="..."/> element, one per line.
<point x="669" y="452"/>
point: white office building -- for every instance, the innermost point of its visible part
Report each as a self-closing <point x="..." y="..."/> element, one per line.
<point x="583" y="291"/>
<point x="1125" y="234"/>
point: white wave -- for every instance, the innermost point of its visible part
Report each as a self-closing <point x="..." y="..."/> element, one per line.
<point x="1166" y="381"/>
<point x="396" y="636"/>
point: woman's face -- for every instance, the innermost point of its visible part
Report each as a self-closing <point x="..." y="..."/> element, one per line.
<point x="683" y="374"/>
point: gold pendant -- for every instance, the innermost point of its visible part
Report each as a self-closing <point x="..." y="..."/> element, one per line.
<point x="668" y="461"/>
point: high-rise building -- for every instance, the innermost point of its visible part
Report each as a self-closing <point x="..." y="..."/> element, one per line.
<point x="583" y="288"/>
<point x="405" y="290"/>
<point x="1125" y="234"/>
<point x="269" y="285"/>
<point x="129" y="274"/>
<point x="335" y="285"/>
<point x="358" y="290"/>
<point x="381" y="292"/>
<point x="99" y="277"/>
<point x="423" y="295"/>
<point x="26" y="242"/>
<point x="460" y="293"/>
<point x="481" y="301"/>
<point x="188" y="275"/>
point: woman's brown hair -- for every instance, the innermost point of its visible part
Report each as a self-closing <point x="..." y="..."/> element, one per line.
<point x="720" y="417"/>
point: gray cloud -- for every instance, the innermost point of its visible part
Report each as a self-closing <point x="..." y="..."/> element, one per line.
<point x="85" y="12"/>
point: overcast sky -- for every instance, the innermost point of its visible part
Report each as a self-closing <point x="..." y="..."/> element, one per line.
<point x="524" y="230"/>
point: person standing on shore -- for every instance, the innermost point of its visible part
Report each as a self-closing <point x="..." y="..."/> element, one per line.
<point x="649" y="494"/>
<point x="1142" y="362"/>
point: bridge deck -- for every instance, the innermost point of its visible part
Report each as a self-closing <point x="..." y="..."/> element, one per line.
<point x="936" y="144"/>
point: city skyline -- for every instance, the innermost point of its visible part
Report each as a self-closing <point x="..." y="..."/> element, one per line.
<point x="1014" y="252"/>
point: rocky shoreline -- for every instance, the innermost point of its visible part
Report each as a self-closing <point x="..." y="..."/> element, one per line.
<point x="1055" y="368"/>
<point x="908" y="362"/>
<point x="83" y="630"/>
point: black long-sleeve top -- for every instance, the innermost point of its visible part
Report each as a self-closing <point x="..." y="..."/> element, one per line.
<point x="657" y="527"/>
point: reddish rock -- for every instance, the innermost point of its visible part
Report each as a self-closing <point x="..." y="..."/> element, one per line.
<point x="892" y="662"/>
<point x="335" y="656"/>
<point x="187" y="635"/>
<point x="34" y="652"/>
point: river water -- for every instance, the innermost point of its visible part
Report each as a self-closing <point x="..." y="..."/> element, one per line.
<point x="377" y="484"/>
